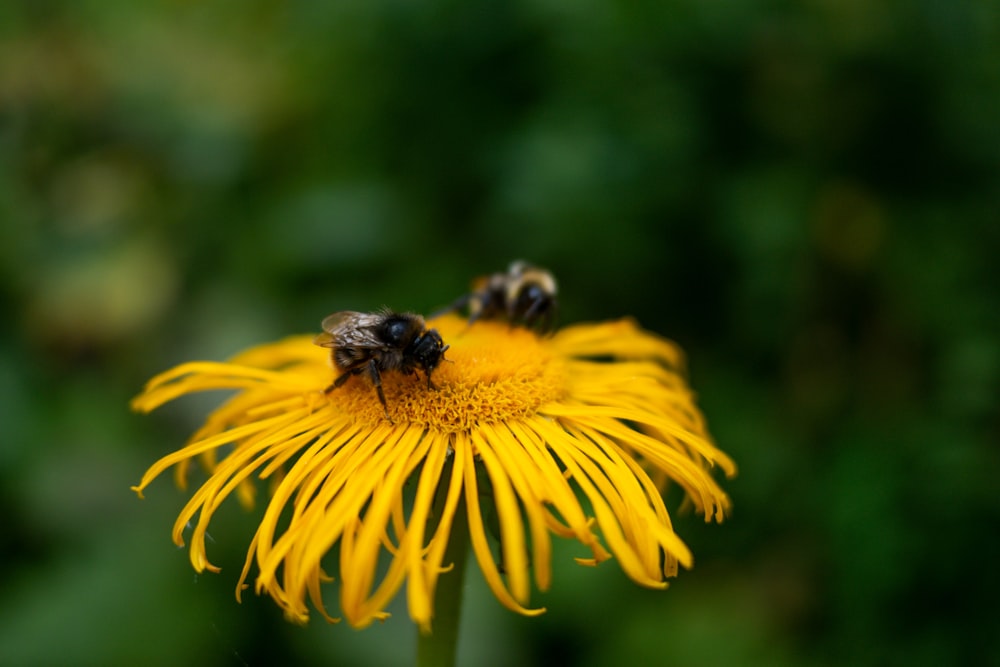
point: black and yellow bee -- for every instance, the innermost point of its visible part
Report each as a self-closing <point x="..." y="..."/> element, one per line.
<point x="523" y="295"/>
<point x="375" y="343"/>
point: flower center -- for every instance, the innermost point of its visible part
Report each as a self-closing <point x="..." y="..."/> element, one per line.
<point x="492" y="372"/>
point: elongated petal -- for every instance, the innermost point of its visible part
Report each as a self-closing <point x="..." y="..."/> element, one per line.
<point x="570" y="436"/>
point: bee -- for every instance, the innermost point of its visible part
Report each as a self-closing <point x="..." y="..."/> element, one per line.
<point x="525" y="295"/>
<point x="379" y="342"/>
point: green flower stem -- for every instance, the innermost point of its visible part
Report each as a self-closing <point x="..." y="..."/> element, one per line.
<point x="438" y="648"/>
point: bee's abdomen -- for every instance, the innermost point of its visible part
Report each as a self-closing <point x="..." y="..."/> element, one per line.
<point x="348" y="357"/>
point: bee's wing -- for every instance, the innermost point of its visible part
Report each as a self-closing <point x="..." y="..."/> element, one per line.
<point x="336" y="320"/>
<point x="325" y="339"/>
<point x="348" y="328"/>
<point x="518" y="267"/>
<point x="331" y="324"/>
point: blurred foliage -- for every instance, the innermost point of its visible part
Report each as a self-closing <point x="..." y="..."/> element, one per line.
<point x="803" y="194"/>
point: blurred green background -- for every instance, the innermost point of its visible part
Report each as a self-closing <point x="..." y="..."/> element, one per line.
<point x="805" y="195"/>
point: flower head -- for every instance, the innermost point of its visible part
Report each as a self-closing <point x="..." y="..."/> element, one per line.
<point x="572" y="435"/>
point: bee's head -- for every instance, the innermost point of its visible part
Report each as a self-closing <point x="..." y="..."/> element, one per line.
<point x="429" y="350"/>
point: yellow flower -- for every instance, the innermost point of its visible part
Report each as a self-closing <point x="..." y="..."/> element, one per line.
<point x="573" y="435"/>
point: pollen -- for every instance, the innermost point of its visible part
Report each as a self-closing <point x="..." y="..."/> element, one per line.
<point x="491" y="373"/>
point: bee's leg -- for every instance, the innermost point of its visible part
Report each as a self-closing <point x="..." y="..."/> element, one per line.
<point x="533" y="312"/>
<point x="341" y="380"/>
<point x="541" y="314"/>
<point x="548" y="319"/>
<point x="377" y="381"/>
